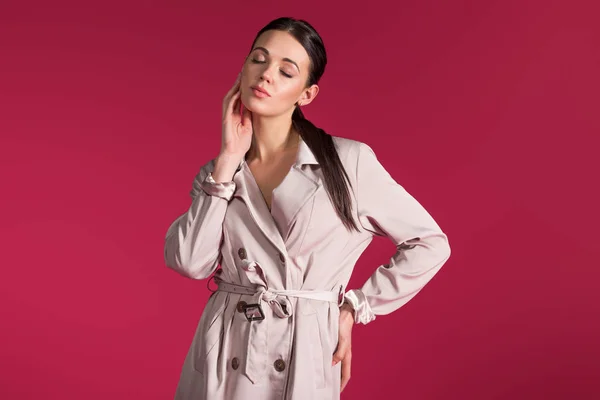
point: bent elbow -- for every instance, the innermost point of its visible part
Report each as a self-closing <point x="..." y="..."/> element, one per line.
<point x="441" y="248"/>
<point x="447" y="250"/>
<point x="438" y="250"/>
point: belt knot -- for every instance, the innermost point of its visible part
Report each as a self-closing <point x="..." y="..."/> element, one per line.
<point x="281" y="305"/>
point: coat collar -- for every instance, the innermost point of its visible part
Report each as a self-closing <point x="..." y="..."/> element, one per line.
<point x="304" y="156"/>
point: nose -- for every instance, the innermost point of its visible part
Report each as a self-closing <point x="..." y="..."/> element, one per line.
<point x="267" y="74"/>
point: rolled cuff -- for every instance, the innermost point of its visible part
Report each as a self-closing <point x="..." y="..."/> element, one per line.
<point x="223" y="190"/>
<point x="362" y="311"/>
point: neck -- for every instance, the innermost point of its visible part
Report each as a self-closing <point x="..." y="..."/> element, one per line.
<point x="272" y="136"/>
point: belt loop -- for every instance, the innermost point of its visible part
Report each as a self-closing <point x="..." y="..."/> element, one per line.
<point x="208" y="284"/>
<point x="341" y="297"/>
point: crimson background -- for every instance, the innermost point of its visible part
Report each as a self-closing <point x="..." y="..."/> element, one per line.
<point x="485" y="111"/>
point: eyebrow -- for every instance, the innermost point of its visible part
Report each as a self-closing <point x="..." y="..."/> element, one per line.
<point x="284" y="59"/>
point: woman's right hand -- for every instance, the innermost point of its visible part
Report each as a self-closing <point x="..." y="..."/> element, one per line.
<point x="236" y="136"/>
<point x="237" y="128"/>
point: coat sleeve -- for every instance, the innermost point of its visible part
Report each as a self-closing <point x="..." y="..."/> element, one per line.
<point x="385" y="208"/>
<point x="193" y="240"/>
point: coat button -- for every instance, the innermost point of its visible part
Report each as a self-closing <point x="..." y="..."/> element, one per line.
<point x="240" y="306"/>
<point x="279" y="365"/>
<point x="235" y="363"/>
<point x="242" y="253"/>
<point x="281" y="257"/>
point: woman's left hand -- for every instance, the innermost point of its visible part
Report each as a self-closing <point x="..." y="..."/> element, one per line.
<point x="343" y="351"/>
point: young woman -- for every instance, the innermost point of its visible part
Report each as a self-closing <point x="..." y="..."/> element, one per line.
<point x="285" y="210"/>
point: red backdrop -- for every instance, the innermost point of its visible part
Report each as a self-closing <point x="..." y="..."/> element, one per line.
<point x="485" y="111"/>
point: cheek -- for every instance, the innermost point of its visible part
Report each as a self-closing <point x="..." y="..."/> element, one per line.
<point x="251" y="71"/>
<point x="289" y="91"/>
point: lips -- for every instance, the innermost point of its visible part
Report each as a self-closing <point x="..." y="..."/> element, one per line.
<point x="259" y="89"/>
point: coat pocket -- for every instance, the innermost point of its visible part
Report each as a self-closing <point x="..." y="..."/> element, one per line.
<point x="320" y="348"/>
<point x="211" y="332"/>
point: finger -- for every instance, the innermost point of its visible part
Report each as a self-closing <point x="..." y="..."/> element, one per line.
<point x="233" y="90"/>
<point x="346" y="363"/>
<point x="231" y="94"/>
<point x="236" y="85"/>
<point x="246" y="117"/>
<point x="343" y="348"/>
<point x="231" y="104"/>
<point x="340" y="352"/>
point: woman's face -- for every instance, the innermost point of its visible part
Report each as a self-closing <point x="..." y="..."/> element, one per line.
<point x="279" y="65"/>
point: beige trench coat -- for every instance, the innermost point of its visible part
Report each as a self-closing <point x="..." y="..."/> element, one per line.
<point x="294" y="261"/>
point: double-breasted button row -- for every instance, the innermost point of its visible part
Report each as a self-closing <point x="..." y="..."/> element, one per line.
<point x="244" y="255"/>
<point x="278" y="364"/>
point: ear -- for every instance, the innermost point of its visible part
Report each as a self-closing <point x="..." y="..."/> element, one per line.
<point x="308" y="95"/>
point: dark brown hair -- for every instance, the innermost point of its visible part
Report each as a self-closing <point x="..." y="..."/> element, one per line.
<point x="320" y="143"/>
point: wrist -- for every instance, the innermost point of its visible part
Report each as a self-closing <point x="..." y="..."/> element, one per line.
<point x="225" y="166"/>
<point x="347" y="307"/>
<point x="227" y="157"/>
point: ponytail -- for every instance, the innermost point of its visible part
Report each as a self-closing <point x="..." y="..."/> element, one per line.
<point x="334" y="175"/>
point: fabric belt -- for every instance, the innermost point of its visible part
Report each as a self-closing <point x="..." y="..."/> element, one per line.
<point x="256" y="346"/>
<point x="277" y="299"/>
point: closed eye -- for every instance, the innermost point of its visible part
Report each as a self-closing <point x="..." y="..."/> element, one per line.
<point x="255" y="61"/>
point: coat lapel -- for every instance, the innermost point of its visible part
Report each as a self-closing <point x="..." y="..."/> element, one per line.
<point x="294" y="192"/>
<point x="291" y="196"/>
<point x="249" y="192"/>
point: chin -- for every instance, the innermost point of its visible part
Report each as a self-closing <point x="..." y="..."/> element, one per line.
<point x="258" y="107"/>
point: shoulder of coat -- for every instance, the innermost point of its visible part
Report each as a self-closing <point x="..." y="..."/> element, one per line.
<point x="348" y="149"/>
